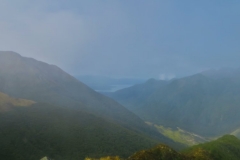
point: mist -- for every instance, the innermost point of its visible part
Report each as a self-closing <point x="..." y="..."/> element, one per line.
<point x="122" y="39"/>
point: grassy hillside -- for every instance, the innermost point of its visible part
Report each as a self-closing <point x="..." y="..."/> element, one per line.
<point x="197" y="104"/>
<point x="202" y="104"/>
<point x="224" y="148"/>
<point x="179" y="135"/>
<point x="45" y="130"/>
<point x="28" y="78"/>
<point x="162" y="152"/>
<point x="8" y="103"/>
<point x="31" y="79"/>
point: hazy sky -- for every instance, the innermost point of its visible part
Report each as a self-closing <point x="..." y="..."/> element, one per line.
<point x="124" y="38"/>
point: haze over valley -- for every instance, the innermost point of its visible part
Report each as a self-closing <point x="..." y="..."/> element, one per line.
<point x="119" y="80"/>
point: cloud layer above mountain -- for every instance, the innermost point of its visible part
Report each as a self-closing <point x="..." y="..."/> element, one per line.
<point x="124" y="38"/>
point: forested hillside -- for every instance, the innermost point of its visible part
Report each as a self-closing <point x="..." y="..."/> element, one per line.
<point x="45" y="130"/>
<point x="27" y="78"/>
<point x="44" y="111"/>
<point x="206" y="103"/>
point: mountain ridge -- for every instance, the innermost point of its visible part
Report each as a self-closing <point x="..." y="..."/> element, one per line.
<point x="31" y="79"/>
<point x="134" y="96"/>
<point x="27" y="78"/>
<point x="202" y="104"/>
<point x="224" y="148"/>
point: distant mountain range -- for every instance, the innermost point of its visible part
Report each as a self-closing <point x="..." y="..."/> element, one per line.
<point x="27" y="78"/>
<point x="134" y="96"/>
<point x="207" y="103"/>
<point x="44" y="111"/>
<point x="107" y="84"/>
<point x="65" y="119"/>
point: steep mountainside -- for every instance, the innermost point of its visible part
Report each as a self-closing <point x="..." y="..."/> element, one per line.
<point x="27" y="78"/>
<point x="198" y="104"/>
<point x="30" y="79"/>
<point x="206" y="104"/>
<point x="61" y="133"/>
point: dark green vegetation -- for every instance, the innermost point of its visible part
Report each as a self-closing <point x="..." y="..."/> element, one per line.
<point x="160" y="152"/>
<point x="224" y="148"/>
<point x="46" y="112"/>
<point x="68" y="120"/>
<point x="45" y="130"/>
<point x="206" y="104"/>
<point x="27" y="78"/>
<point x="180" y="135"/>
<point x="163" y="152"/>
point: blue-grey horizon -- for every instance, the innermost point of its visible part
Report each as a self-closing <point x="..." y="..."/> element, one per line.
<point x="120" y="38"/>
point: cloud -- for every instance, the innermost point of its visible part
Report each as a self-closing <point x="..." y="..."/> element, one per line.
<point x="167" y="76"/>
<point x="66" y="36"/>
<point x="45" y="35"/>
<point x="122" y="38"/>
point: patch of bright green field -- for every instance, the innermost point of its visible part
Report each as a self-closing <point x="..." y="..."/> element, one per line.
<point x="180" y="135"/>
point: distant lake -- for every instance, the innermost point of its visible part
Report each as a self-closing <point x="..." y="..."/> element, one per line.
<point x="114" y="88"/>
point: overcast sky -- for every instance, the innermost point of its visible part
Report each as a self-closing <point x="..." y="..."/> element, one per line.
<point x="124" y="38"/>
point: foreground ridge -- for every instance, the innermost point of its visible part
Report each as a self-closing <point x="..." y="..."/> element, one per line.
<point x="224" y="148"/>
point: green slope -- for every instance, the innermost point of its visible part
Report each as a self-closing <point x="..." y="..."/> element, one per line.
<point x="197" y="104"/>
<point x="160" y="152"/>
<point x="224" y="148"/>
<point x="203" y="104"/>
<point x="180" y="135"/>
<point x="8" y="103"/>
<point x="27" y="78"/>
<point x="45" y="130"/>
<point x="31" y="79"/>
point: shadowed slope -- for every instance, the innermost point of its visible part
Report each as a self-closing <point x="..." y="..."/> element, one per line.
<point x="203" y="104"/>
<point x="61" y="133"/>
<point x="224" y="148"/>
<point x="27" y="78"/>
<point x="198" y="104"/>
<point x="30" y="79"/>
